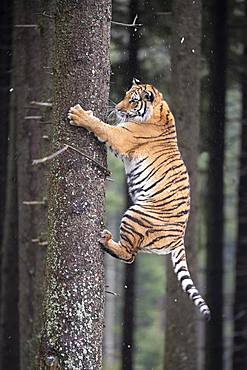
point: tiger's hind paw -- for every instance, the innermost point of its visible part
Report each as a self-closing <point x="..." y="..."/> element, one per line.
<point x="105" y="237"/>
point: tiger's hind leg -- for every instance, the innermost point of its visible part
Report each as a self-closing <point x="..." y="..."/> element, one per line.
<point x="115" y="249"/>
<point x="132" y="235"/>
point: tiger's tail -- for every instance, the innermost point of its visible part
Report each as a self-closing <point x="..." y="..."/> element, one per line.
<point x="181" y="270"/>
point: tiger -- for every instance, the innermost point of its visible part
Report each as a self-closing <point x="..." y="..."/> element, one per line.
<point x="158" y="182"/>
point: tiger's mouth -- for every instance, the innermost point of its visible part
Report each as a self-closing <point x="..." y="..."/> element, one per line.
<point x="133" y="115"/>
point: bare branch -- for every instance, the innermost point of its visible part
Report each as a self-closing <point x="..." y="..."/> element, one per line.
<point x="49" y="157"/>
<point x="45" y="137"/>
<point x="134" y="24"/>
<point x="90" y="159"/>
<point x="60" y="151"/>
<point x="164" y="13"/>
<point x="26" y="26"/>
<point x="41" y="103"/>
<point x="35" y="202"/>
<point x="33" y="117"/>
<point x="39" y="241"/>
<point x="113" y="293"/>
<point x="43" y="244"/>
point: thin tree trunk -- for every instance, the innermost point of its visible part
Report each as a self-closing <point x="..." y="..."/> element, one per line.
<point x="240" y="298"/>
<point x="109" y="334"/>
<point x="9" y="333"/>
<point x="128" y="345"/>
<point x="74" y="298"/>
<point x="181" y="334"/>
<point x="8" y="348"/>
<point x="9" y="315"/>
<point x="215" y="216"/>
<point x="6" y="14"/>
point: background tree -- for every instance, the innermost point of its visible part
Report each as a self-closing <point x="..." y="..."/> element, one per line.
<point x="9" y="333"/>
<point x="25" y="220"/>
<point x="181" y="339"/>
<point x="128" y="342"/>
<point x="32" y="90"/>
<point x="74" y="302"/>
<point x="240" y="298"/>
<point x="6" y="15"/>
<point x="217" y="63"/>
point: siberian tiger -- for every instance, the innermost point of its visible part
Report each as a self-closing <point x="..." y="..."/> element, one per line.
<point x="157" y="178"/>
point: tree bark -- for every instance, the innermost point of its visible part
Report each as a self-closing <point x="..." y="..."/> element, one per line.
<point x="215" y="215"/>
<point x="181" y="335"/>
<point x="74" y="297"/>
<point x="240" y="297"/>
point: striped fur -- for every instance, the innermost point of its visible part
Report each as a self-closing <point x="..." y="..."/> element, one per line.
<point x="157" y="178"/>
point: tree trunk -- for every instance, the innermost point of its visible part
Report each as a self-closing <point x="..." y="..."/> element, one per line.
<point x="74" y="297"/>
<point x="110" y="308"/>
<point x="6" y="14"/>
<point x="215" y="215"/>
<point x="8" y="249"/>
<point x="128" y="345"/>
<point x="240" y="298"/>
<point x="9" y="315"/>
<point x="30" y="85"/>
<point x="181" y="336"/>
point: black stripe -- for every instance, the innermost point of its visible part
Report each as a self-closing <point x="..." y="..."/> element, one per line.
<point x="146" y="214"/>
<point x="131" y="228"/>
<point x="195" y="296"/>
<point x="138" y="164"/>
<point x="164" y="175"/>
<point x="165" y="188"/>
<point x="185" y="277"/>
<point x="177" y="262"/>
<point x="181" y="250"/>
<point x="183" y="268"/>
<point x="189" y="287"/>
<point x="125" y="238"/>
<point x="134" y="220"/>
<point x="142" y="170"/>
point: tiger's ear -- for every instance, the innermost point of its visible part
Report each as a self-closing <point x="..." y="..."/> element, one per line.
<point x="135" y="81"/>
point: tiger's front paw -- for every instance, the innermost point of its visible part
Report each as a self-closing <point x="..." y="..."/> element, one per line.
<point x="77" y="115"/>
<point x="105" y="237"/>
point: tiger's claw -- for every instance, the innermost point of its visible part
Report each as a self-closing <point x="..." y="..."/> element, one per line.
<point x="76" y="115"/>
<point x="105" y="237"/>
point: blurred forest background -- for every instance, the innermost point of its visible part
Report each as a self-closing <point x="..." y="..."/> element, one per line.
<point x="196" y="54"/>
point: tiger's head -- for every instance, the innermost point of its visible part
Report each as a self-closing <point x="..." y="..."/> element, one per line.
<point x="141" y="104"/>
